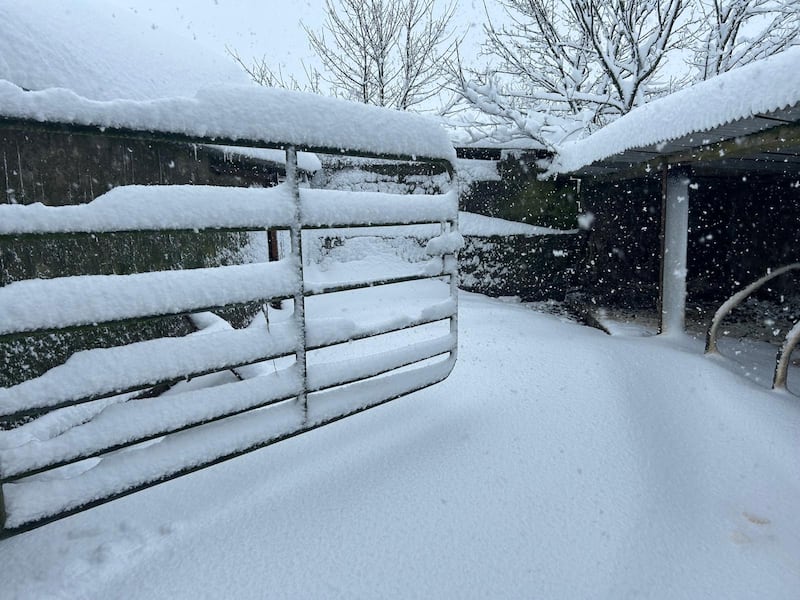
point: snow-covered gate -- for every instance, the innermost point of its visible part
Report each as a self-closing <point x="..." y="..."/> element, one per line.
<point x="120" y="442"/>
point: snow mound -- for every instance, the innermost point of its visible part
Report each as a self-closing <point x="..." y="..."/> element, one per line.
<point x="760" y="87"/>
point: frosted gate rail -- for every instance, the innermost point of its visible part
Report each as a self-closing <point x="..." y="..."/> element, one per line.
<point x="195" y="429"/>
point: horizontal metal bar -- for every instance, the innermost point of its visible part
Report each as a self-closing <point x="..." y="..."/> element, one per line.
<point x="392" y="366"/>
<point x="346" y="398"/>
<point x="366" y="225"/>
<point x="31" y="525"/>
<point x="78" y="457"/>
<point x="312" y="290"/>
<point x="133" y="320"/>
<point x="182" y="138"/>
<point x="361" y="335"/>
<point x="39" y="235"/>
<point x="4" y="337"/>
<point x="39" y="410"/>
<point x="52" y="304"/>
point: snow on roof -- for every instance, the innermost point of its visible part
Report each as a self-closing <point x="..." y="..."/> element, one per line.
<point x="103" y="51"/>
<point x="760" y="87"/>
<point x="250" y="113"/>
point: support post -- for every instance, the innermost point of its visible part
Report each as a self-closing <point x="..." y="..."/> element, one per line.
<point x="2" y="509"/>
<point x="293" y="182"/>
<point x="274" y="256"/>
<point x="450" y="264"/>
<point x="674" y="241"/>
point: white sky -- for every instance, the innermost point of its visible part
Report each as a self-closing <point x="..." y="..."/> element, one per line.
<point x="270" y="27"/>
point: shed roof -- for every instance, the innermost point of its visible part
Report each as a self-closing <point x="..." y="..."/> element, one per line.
<point x="694" y="124"/>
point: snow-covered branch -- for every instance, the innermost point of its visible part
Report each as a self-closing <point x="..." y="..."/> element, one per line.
<point x="566" y="66"/>
<point x="737" y="32"/>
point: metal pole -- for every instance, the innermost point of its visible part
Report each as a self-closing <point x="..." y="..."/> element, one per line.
<point x="783" y="357"/>
<point x="675" y="225"/>
<point x="2" y="510"/>
<point x="292" y="181"/>
<point x="450" y="263"/>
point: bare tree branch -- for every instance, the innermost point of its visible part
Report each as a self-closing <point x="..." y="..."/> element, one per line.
<point x="260" y="72"/>
<point x="385" y="52"/>
<point x="738" y="32"/>
<point x="566" y="67"/>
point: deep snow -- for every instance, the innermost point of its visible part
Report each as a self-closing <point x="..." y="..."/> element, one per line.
<point x="555" y="462"/>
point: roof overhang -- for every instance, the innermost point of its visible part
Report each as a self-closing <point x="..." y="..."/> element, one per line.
<point x="743" y="121"/>
<point x="764" y="143"/>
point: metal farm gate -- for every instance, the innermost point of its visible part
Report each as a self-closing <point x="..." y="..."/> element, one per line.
<point x="132" y="440"/>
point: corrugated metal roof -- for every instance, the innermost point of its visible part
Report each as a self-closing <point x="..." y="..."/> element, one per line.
<point x="687" y="125"/>
<point x="784" y="160"/>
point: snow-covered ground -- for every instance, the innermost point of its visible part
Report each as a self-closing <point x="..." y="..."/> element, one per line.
<point x="555" y="462"/>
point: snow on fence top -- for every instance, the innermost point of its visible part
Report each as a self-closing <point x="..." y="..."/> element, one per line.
<point x="252" y="115"/>
<point x="177" y="207"/>
<point x="760" y="87"/>
<point x="38" y="304"/>
<point x="328" y="208"/>
<point x="155" y="208"/>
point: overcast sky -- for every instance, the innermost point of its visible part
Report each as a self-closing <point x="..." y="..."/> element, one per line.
<point x="269" y="27"/>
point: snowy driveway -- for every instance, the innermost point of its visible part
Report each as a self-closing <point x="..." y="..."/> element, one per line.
<point x="555" y="462"/>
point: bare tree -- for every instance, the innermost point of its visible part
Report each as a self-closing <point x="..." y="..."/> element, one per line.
<point x="427" y="45"/>
<point x="737" y="32"/>
<point x="262" y="73"/>
<point x="569" y="66"/>
<point x="385" y="52"/>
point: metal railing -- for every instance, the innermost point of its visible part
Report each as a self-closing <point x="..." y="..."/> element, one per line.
<point x="790" y="340"/>
<point x="203" y="427"/>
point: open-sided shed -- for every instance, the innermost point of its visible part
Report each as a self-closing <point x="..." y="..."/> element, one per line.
<point x="740" y="126"/>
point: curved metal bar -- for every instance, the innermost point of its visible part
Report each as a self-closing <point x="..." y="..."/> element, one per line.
<point x="734" y="301"/>
<point x="783" y="356"/>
